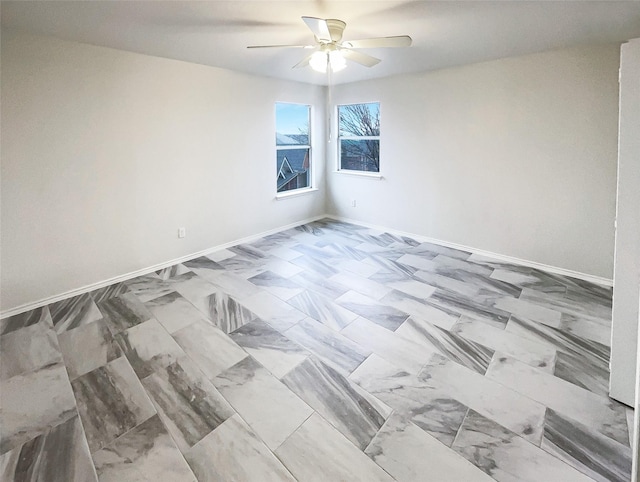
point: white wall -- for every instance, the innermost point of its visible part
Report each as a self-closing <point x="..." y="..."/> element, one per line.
<point x="515" y="156"/>
<point x="626" y="291"/>
<point x="106" y="153"/>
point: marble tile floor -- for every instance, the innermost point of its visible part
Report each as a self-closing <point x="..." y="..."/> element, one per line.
<point x="326" y="352"/>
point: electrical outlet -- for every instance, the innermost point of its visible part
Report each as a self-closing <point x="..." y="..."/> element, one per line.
<point x="353" y="203"/>
<point x="182" y="232"/>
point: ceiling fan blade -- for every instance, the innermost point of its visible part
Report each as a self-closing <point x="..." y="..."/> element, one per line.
<point x="280" y="46"/>
<point x="304" y="62"/>
<point x="379" y="42"/>
<point x="319" y="28"/>
<point x="359" y="57"/>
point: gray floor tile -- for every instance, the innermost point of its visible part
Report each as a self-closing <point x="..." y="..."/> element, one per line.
<point x="470" y="354"/>
<point x="354" y="412"/>
<point x="277" y="285"/>
<point x="32" y="403"/>
<point x="282" y="268"/>
<point x="328" y="345"/>
<point x="73" y="312"/>
<point x="593" y="353"/>
<point x="242" y="266"/>
<point x="322" y="309"/>
<point x="234" y="452"/>
<point x="428" y="407"/>
<point x="225" y="312"/>
<point x="148" y="346"/>
<point x="148" y="287"/>
<point x="124" y="311"/>
<point x="586" y="328"/>
<point x="318" y="452"/>
<point x="28" y="318"/>
<point x="102" y="294"/>
<point x="145" y="453"/>
<point x="320" y="284"/>
<point x="408" y="454"/>
<point x="209" y="347"/>
<point x="87" y="348"/>
<point x="111" y="401"/>
<point x="506" y="457"/>
<point x="274" y="351"/>
<point x="173" y="311"/>
<point x="421" y="309"/>
<point x="531" y="352"/>
<point x="601" y="413"/>
<point x="273" y="310"/>
<point x="60" y="454"/>
<point x="377" y="312"/>
<point x="577" y="370"/>
<point x="394" y="348"/>
<point x="362" y="285"/>
<point x="192" y="286"/>
<point x="500" y="402"/>
<point x="585" y="449"/>
<point x="28" y="349"/>
<point x="220" y="254"/>
<point x="205" y="266"/>
<point x="236" y="286"/>
<point x="187" y="402"/>
<point x="172" y="271"/>
<point x="269" y="407"/>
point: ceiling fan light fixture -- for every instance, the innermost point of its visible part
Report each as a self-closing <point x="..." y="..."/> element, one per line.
<point x="333" y="59"/>
<point x="336" y="61"/>
<point x="318" y="62"/>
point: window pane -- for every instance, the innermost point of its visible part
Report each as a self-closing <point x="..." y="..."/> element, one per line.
<point x="292" y="124"/>
<point x="293" y="168"/>
<point x="292" y="164"/>
<point x="359" y="119"/>
<point x="360" y="155"/>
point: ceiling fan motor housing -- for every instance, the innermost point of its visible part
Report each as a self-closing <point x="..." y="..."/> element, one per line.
<point x="336" y="28"/>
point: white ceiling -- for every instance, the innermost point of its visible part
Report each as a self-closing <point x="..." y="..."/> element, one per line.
<point x="445" y="33"/>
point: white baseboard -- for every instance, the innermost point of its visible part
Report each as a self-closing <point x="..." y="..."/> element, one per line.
<point x="489" y="254"/>
<point x="150" y="269"/>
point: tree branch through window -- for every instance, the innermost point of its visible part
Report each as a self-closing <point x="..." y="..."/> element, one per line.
<point x="360" y="137"/>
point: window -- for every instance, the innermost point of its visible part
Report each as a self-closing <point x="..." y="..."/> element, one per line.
<point x="293" y="148"/>
<point x="359" y="137"/>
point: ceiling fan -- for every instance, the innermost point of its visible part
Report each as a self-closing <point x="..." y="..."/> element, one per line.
<point x="330" y="52"/>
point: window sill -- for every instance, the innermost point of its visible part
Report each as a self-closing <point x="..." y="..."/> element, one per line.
<point x="370" y="175"/>
<point x="295" y="193"/>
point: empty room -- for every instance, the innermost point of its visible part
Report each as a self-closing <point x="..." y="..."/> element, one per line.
<point x="319" y="240"/>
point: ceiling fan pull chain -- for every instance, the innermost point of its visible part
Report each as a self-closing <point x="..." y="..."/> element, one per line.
<point x="329" y="102"/>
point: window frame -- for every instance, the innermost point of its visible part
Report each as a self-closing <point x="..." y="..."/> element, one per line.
<point x="308" y="147"/>
<point x="339" y="138"/>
